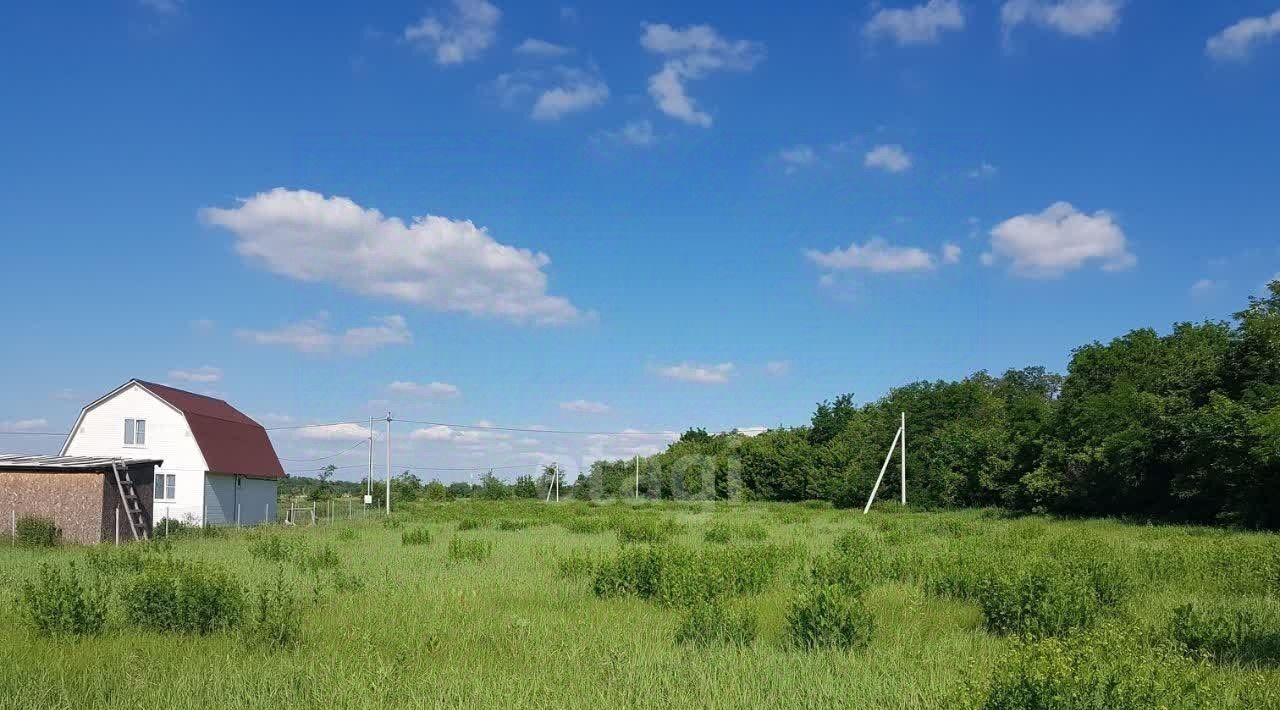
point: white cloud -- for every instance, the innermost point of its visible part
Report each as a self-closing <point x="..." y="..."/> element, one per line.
<point x="987" y="258"/>
<point x="637" y="133"/>
<point x="556" y="92"/>
<point x="890" y="158"/>
<point x="690" y="54"/>
<point x="1236" y="42"/>
<point x="984" y="170"/>
<point x="24" y="425"/>
<point x="876" y="255"/>
<point x="435" y="262"/>
<point x="951" y="253"/>
<point x="541" y="48"/>
<point x="752" y="430"/>
<point x="315" y="336"/>
<point x="1060" y="239"/>
<point x="163" y="7"/>
<point x="203" y="375"/>
<point x="1075" y="18"/>
<point x="438" y="432"/>
<point x="458" y="36"/>
<point x="921" y="24"/>
<point x="429" y="390"/>
<point x="66" y="394"/>
<point x="703" y="374"/>
<point x="797" y="157"/>
<point x="1204" y="287"/>
<point x="270" y="419"/>
<point x="778" y="367"/>
<point x="579" y="92"/>
<point x="333" y="432"/>
<point x="582" y="406"/>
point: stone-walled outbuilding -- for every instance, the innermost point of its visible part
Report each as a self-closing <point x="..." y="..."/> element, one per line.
<point x="79" y="493"/>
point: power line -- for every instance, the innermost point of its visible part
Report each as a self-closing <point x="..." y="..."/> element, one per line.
<point x="530" y="430"/>
<point x="33" y="433"/>
<point x="313" y="426"/>
<point x="362" y="442"/>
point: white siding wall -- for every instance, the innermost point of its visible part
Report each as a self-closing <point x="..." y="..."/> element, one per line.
<point x="257" y="501"/>
<point x="101" y="433"/>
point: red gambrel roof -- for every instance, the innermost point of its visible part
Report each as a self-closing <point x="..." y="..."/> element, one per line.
<point x="230" y="441"/>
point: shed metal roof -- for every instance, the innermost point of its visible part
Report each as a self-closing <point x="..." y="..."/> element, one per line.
<point x="29" y="462"/>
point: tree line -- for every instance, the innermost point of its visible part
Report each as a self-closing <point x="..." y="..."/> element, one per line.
<point x="1181" y="427"/>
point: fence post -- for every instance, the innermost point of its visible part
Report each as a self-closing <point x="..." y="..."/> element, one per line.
<point x="13" y="527"/>
<point x="237" y="513"/>
<point x="117" y="525"/>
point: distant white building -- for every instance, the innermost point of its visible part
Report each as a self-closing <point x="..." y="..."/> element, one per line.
<point x="219" y="465"/>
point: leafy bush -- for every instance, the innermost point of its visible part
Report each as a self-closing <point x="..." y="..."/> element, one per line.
<point x="36" y="531"/>
<point x="644" y="530"/>
<point x="1044" y="600"/>
<point x="168" y="527"/>
<point x="510" y="525"/>
<point x="710" y="624"/>
<point x="471" y="550"/>
<point x="470" y="524"/>
<point x="586" y="526"/>
<point x="725" y="532"/>
<point x="347" y="535"/>
<point x="673" y="575"/>
<point x="273" y="548"/>
<point x="1052" y="596"/>
<point x="416" y="536"/>
<point x="112" y="561"/>
<point x="273" y="616"/>
<point x="1111" y="670"/>
<point x="58" y="603"/>
<point x="314" y="561"/>
<point x="1232" y="632"/>
<point x="185" y="596"/>
<point x="828" y="617"/>
<point x="578" y="563"/>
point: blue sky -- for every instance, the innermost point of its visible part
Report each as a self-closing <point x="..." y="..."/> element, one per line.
<point x="595" y="217"/>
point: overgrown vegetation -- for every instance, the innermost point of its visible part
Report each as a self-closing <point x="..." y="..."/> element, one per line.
<point x="974" y="609"/>
<point x="1181" y="427"/>
<point x="36" y="531"/>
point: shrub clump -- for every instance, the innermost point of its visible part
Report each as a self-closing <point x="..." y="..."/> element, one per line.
<point x="1231" y="632"/>
<point x="314" y="561"/>
<point x="829" y="617"/>
<point x="644" y="530"/>
<point x="183" y="596"/>
<point x="470" y="524"/>
<point x="168" y="527"/>
<point x="1051" y="598"/>
<point x="724" y="532"/>
<point x="416" y="536"/>
<point x="469" y="550"/>
<point x="1107" y="670"/>
<point x="36" y="531"/>
<point x="274" y="548"/>
<point x="273" y="616"/>
<point x="586" y="525"/>
<point x="710" y="623"/>
<point x="59" y="603"/>
<point x="577" y="564"/>
<point x="674" y="575"/>
<point x="513" y="525"/>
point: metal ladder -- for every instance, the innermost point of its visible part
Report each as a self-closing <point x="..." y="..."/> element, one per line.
<point x="132" y="505"/>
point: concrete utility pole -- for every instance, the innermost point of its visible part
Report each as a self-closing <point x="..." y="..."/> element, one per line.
<point x="904" y="459"/>
<point x="388" y="463"/>
<point x="637" y="476"/>
<point x="368" y="481"/>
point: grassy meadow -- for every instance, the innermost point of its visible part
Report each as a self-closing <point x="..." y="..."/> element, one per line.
<point x="660" y="605"/>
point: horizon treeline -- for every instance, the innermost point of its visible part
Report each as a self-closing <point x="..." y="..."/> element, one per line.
<point x="1182" y="427"/>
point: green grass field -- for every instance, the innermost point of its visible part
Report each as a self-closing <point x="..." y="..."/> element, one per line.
<point x="436" y="623"/>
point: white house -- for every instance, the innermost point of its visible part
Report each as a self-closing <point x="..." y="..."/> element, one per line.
<point x="219" y="465"/>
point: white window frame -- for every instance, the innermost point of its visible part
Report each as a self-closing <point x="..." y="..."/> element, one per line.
<point x="139" y="439"/>
<point x="166" y="483"/>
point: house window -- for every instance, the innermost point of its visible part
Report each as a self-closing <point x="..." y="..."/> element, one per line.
<point x="135" y="432"/>
<point x="165" y="484"/>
